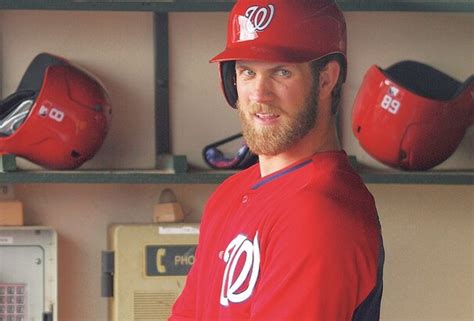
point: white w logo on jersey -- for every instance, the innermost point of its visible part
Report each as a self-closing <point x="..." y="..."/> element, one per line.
<point x="249" y="272"/>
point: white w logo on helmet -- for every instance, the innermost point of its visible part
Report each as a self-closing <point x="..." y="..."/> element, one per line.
<point x="256" y="19"/>
<point x="232" y="285"/>
<point x="260" y="17"/>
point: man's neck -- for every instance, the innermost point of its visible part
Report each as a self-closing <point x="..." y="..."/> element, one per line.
<point x="316" y="141"/>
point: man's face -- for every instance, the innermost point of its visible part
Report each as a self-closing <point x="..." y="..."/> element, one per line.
<point x="277" y="104"/>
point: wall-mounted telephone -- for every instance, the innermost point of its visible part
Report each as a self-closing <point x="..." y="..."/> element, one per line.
<point x="28" y="274"/>
<point x="145" y="269"/>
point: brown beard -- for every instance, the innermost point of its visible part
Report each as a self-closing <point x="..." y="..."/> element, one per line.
<point x="273" y="140"/>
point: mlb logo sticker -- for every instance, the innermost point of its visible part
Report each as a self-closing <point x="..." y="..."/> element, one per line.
<point x="393" y="91"/>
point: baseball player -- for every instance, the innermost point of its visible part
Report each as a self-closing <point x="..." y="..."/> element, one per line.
<point x="295" y="237"/>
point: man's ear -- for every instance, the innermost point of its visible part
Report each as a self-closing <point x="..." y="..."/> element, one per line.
<point x="328" y="77"/>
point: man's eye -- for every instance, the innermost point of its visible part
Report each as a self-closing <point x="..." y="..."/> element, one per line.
<point x="283" y="73"/>
<point x="248" y="72"/>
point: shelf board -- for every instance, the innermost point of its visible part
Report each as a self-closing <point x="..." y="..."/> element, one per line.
<point x="216" y="177"/>
<point x="417" y="177"/>
<point x="155" y="6"/>
<point x="409" y="5"/>
<point x="113" y="177"/>
<point x="222" y="5"/>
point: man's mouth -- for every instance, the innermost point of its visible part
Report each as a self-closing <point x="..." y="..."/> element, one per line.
<point x="267" y="116"/>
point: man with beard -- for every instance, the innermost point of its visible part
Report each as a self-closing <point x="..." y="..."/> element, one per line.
<point x="295" y="237"/>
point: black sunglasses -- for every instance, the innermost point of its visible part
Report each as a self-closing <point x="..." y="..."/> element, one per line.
<point x="215" y="158"/>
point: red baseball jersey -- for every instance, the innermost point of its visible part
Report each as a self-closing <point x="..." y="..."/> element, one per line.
<point x="301" y="244"/>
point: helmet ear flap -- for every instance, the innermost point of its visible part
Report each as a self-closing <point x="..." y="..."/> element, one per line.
<point x="227" y="70"/>
<point x="34" y="74"/>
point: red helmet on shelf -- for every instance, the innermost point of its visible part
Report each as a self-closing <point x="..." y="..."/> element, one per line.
<point x="280" y="31"/>
<point x="58" y="117"/>
<point x="412" y="116"/>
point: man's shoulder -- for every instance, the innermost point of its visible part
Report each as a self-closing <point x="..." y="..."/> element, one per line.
<point x="333" y="173"/>
<point x="240" y="179"/>
<point x="334" y="187"/>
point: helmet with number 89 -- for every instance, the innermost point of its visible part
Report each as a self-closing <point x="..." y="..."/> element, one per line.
<point x="58" y="117"/>
<point x="280" y="31"/>
<point x="412" y="116"/>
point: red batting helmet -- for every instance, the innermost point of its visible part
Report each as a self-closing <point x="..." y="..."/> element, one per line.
<point x="57" y="118"/>
<point x="412" y="116"/>
<point x="280" y="31"/>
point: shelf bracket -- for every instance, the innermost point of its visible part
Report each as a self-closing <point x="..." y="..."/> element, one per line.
<point x="7" y="163"/>
<point x="176" y="163"/>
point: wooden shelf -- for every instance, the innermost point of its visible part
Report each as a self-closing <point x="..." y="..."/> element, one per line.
<point x="216" y="177"/>
<point x="226" y="5"/>
<point x="412" y="177"/>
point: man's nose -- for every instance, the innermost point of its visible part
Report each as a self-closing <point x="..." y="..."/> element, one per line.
<point x="261" y="91"/>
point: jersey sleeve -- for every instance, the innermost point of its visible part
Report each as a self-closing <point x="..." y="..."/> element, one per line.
<point x="318" y="263"/>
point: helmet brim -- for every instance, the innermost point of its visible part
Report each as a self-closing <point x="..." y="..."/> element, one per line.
<point x="264" y="53"/>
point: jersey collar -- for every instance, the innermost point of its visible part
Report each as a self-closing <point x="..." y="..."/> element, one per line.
<point x="281" y="173"/>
